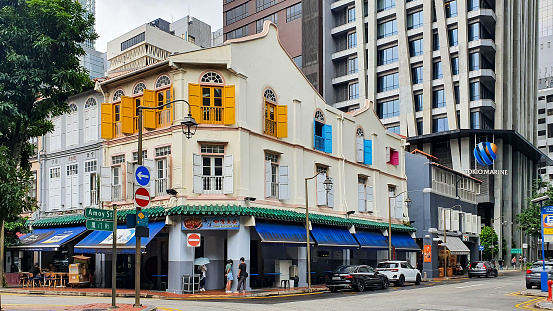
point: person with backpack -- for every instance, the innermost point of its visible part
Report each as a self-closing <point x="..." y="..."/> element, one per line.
<point x="242" y="275"/>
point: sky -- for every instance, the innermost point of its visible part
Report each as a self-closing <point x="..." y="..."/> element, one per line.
<point x="116" y="17"/>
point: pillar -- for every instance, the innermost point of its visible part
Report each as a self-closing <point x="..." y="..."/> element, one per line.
<point x="181" y="258"/>
<point x="238" y="245"/>
<point x="299" y="258"/>
<point x="214" y="250"/>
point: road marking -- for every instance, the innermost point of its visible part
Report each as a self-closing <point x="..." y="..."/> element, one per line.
<point x="168" y="309"/>
<point x="529" y="305"/>
<point x="469" y="286"/>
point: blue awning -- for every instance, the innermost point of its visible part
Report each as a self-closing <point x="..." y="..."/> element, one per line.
<point x="102" y="241"/>
<point x="371" y="239"/>
<point x="404" y="242"/>
<point x="273" y="232"/>
<point x="48" y="239"/>
<point x="333" y="236"/>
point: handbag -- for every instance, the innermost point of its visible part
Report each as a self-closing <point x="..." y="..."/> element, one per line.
<point x="246" y="274"/>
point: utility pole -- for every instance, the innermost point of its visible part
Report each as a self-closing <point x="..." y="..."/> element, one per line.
<point x="138" y="251"/>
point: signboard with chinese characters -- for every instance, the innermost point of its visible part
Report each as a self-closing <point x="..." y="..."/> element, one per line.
<point x="211" y="223"/>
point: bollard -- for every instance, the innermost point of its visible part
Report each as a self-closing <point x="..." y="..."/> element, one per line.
<point x="549" y="283"/>
<point x="425" y="277"/>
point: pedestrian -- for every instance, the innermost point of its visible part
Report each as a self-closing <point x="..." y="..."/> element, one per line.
<point x="242" y="275"/>
<point x="500" y="262"/>
<point x="203" y="270"/>
<point x="520" y="261"/>
<point x="228" y="275"/>
<point x="514" y="262"/>
<point x="419" y="266"/>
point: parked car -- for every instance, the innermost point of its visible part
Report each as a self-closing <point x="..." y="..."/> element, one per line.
<point x="533" y="276"/>
<point x="357" y="277"/>
<point x="399" y="272"/>
<point x="482" y="268"/>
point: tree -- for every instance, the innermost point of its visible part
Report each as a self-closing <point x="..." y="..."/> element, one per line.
<point x="40" y="41"/>
<point x="14" y="187"/>
<point x="13" y="228"/>
<point x="488" y="238"/>
<point x="529" y="219"/>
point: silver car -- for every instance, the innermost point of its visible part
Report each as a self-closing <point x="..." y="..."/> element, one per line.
<point x="533" y="276"/>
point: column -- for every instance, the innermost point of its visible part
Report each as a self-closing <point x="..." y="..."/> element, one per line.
<point x="238" y="245"/>
<point x="181" y="258"/>
<point x="299" y="258"/>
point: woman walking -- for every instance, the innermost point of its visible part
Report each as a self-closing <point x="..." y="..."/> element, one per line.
<point x="228" y="275"/>
<point x="203" y="270"/>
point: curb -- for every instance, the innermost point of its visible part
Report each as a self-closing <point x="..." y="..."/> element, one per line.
<point x="540" y="306"/>
<point x="534" y="293"/>
<point x="88" y="294"/>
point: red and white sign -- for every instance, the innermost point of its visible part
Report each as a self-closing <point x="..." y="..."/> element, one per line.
<point x="141" y="197"/>
<point x="193" y="240"/>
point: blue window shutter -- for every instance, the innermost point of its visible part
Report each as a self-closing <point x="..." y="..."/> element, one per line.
<point x="328" y="138"/>
<point x="368" y="152"/>
<point x="314" y="133"/>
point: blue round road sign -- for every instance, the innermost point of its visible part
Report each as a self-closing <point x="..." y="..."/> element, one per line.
<point x="481" y="248"/>
<point x="142" y="175"/>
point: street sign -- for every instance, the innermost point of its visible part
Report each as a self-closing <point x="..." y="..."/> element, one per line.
<point x="193" y="239"/>
<point x="481" y="248"/>
<point x="516" y="251"/>
<point x="142" y="219"/>
<point x="96" y="213"/>
<point x="141" y="197"/>
<point x="92" y="224"/>
<point x="142" y="175"/>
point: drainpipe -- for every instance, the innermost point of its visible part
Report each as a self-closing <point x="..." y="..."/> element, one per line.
<point x="342" y="175"/>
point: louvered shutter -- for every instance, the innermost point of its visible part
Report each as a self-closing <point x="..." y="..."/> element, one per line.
<point x="321" y="193"/>
<point x="149" y="115"/>
<point x="129" y="180"/>
<point x="368" y="150"/>
<point x="399" y="206"/>
<point x="359" y="149"/>
<point x="86" y="185"/>
<point x="228" y="182"/>
<point x="327" y="138"/>
<point x="195" y="100"/>
<point x="197" y="171"/>
<point x="230" y="110"/>
<point x="369" y="199"/>
<point x="282" y="121"/>
<point x="107" y="121"/>
<point x="267" y="179"/>
<point x="127" y="115"/>
<point x="283" y="181"/>
<point x="468" y="222"/>
<point x="331" y="194"/>
<point x="447" y="219"/>
<point x="93" y="115"/>
<point x="105" y="183"/>
<point x="361" y="197"/>
<point x="74" y="190"/>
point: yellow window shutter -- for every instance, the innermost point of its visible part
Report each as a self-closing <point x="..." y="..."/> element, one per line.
<point x="195" y="100"/>
<point x="229" y="104"/>
<point x="127" y="115"/>
<point x="171" y="98"/>
<point x="107" y="121"/>
<point x="282" y="121"/>
<point x="149" y="115"/>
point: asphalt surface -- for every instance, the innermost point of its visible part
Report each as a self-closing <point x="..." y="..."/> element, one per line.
<point x="478" y="294"/>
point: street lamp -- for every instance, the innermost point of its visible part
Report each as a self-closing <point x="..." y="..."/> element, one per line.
<point x="328" y="186"/>
<point x="408" y="202"/>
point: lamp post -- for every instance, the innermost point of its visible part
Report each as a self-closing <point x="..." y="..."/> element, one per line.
<point x="328" y="186"/>
<point x="187" y="122"/>
<point x="408" y="201"/>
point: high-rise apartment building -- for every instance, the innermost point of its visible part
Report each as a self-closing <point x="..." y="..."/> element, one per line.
<point x="93" y="61"/>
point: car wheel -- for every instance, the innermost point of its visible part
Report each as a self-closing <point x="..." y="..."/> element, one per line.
<point x="496" y="274"/>
<point x="528" y="286"/>
<point x="385" y="284"/>
<point x="418" y="281"/>
<point x="401" y="281"/>
<point x="360" y="285"/>
<point x="333" y="288"/>
<point x="487" y="274"/>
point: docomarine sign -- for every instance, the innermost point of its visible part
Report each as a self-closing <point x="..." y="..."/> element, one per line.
<point x="487" y="172"/>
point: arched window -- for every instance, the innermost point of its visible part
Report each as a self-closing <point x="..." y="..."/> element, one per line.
<point x="139" y="88"/>
<point x="359" y="132"/>
<point x="91" y="102"/>
<point x="270" y="95"/>
<point x="72" y="108"/>
<point x="270" y="112"/>
<point x="117" y="95"/>
<point x="319" y="116"/>
<point x="211" y="77"/>
<point x="72" y="126"/>
<point x="163" y="81"/>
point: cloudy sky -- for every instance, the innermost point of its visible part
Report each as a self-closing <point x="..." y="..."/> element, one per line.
<point x="116" y="17"/>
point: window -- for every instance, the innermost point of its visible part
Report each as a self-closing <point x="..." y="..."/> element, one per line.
<point x="387" y="29"/>
<point x="164" y="115"/>
<point x="388" y="82"/>
<point x="474" y="61"/>
<point x="212" y="77"/>
<point x="33" y="187"/>
<point x="541" y="111"/>
<point x="541" y="121"/>
<point x="352" y="65"/>
<point x="163" y="151"/>
<point x="323" y="197"/>
<point x="117" y="95"/>
<point x="133" y="41"/>
<point x="550" y="150"/>
<point x="72" y="126"/>
<point x="388" y="56"/>
<point x="417" y="75"/>
<point x="135" y="155"/>
<point x="55" y="172"/>
<point x="293" y="12"/>
<point x="163" y="81"/>
<point x="451" y="9"/>
<point x="541" y="133"/>
<point x="384" y="5"/>
<point x="211" y="168"/>
<point x="353" y="91"/>
<point x="238" y="33"/>
<point x="436" y="41"/>
<point x="139" y="88"/>
<point x="392" y="157"/>
<point x="418" y="102"/>
<point x="420" y="128"/>
<point x="415" y="48"/>
<point x="438" y="99"/>
<point x="212" y="105"/>
<point x="90" y="166"/>
<point x="259" y="23"/>
<point x="116" y="180"/>
<point x="455" y="66"/>
<point x="394" y="129"/>
<point x="453" y="37"/>
<point x="474" y="31"/>
<point x="236" y="13"/>
<point x="457" y="93"/>
<point x="161" y="175"/>
<point x="72" y="186"/>
<point x="415" y="20"/>
<point x="351" y="14"/>
<point x="352" y="40"/>
<point x="272" y="179"/>
<point x="365" y="195"/>
<point x="440" y="125"/>
<point x="118" y="159"/>
<point x="437" y="71"/>
<point x="90" y="120"/>
<point x="54" y="188"/>
<point x="264" y="4"/>
<point x="388" y="109"/>
<point x="473" y="5"/>
<point x="213" y="149"/>
<point x="475" y="91"/>
<point x="297" y="60"/>
<point x="363" y="149"/>
<point x="322" y="139"/>
<point x="549" y="130"/>
<point x="276" y="116"/>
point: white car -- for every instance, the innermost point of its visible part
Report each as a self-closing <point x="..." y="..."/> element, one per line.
<point x="399" y="272"/>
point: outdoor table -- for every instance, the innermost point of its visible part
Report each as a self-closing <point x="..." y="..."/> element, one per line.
<point x="59" y="278"/>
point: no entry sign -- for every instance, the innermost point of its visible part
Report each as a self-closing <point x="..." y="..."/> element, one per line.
<point x="141" y="197"/>
<point x="193" y="240"/>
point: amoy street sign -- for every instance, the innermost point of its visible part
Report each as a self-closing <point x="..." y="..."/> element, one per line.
<point x="142" y="176"/>
<point x="141" y="197"/>
<point x="516" y="250"/>
<point x="96" y="213"/>
<point x="92" y="224"/>
<point x="193" y="239"/>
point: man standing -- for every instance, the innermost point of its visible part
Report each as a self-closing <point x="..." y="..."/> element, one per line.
<point x="500" y="262"/>
<point x="242" y="275"/>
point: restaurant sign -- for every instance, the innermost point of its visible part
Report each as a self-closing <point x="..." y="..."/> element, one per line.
<point x="211" y="223"/>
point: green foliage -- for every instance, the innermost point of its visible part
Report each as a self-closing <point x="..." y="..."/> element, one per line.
<point x="488" y="237"/>
<point x="529" y="219"/>
<point x="11" y="230"/>
<point x="40" y="41"/>
<point x="14" y="187"/>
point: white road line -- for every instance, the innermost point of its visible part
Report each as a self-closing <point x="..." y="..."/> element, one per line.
<point x="469" y="286"/>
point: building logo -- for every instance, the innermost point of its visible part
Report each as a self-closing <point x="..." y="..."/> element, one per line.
<point x="485" y="153"/>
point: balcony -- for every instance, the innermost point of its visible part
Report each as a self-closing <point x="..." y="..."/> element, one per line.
<point x="117" y="129"/>
<point x="274" y="190"/>
<point x="342" y="28"/>
<point x="161" y="187"/>
<point x="116" y="193"/>
<point x="340" y="4"/>
<point x="345" y="78"/>
<point x="164" y="117"/>
<point x="212" y="184"/>
<point x="344" y="53"/>
<point x="212" y="115"/>
<point x="270" y="127"/>
<point x="94" y="197"/>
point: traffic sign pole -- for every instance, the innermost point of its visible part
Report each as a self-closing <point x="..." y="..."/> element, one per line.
<point x="137" y="251"/>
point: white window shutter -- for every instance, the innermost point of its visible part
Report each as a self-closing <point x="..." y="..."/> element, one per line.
<point x="51" y="195"/>
<point x="94" y="123"/>
<point x="197" y="170"/>
<point x="479" y="225"/>
<point x="267" y="179"/>
<point x="75" y="191"/>
<point x="455" y="220"/>
<point x="87" y="124"/>
<point x="168" y="170"/>
<point x="228" y="179"/>
<point x="388" y="153"/>
<point x="399" y="206"/>
<point x="474" y="223"/>
<point x="67" y="202"/>
<point x="105" y="184"/>
<point x="448" y="219"/>
<point x="129" y="180"/>
<point x="440" y="218"/>
<point x="150" y="165"/>
<point x="359" y="149"/>
<point x="321" y="193"/>
<point x="468" y="222"/>
<point x="57" y="193"/>
<point x="283" y="183"/>
<point x="361" y="197"/>
<point x="331" y="194"/>
<point x="87" y="186"/>
<point x="369" y="191"/>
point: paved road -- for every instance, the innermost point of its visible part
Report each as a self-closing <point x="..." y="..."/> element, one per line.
<point x="459" y="295"/>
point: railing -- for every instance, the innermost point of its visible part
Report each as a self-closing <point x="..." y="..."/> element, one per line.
<point x="93" y="197"/>
<point x="161" y="187"/>
<point x="118" y="131"/>
<point x="319" y="143"/>
<point x="212" y="115"/>
<point x="212" y="184"/>
<point x="116" y="193"/>
<point x="270" y="127"/>
<point x="274" y="190"/>
<point x="164" y="117"/>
